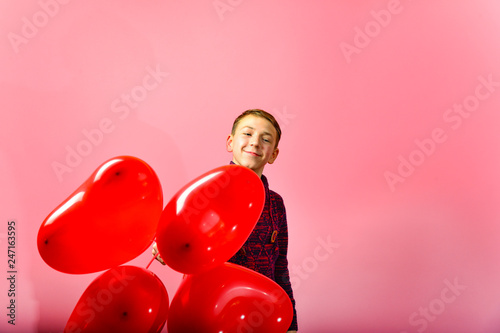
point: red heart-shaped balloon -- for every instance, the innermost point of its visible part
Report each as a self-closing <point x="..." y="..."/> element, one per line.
<point x="123" y="299"/>
<point x="109" y="220"/>
<point x="210" y="218"/>
<point x="229" y="298"/>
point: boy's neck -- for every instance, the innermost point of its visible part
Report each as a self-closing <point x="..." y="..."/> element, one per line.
<point x="258" y="173"/>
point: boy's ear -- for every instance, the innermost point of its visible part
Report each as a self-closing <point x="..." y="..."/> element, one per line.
<point x="229" y="143"/>
<point x="274" y="156"/>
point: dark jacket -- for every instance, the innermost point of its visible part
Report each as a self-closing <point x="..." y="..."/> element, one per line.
<point x="266" y="254"/>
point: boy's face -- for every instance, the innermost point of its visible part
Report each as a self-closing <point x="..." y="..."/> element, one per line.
<point x="253" y="143"/>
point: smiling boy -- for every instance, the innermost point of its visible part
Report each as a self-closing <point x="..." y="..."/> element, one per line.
<point x="254" y="143"/>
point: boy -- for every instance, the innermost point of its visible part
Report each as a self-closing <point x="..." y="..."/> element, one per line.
<point x="254" y="142"/>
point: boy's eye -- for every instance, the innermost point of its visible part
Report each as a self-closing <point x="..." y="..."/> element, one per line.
<point x="267" y="139"/>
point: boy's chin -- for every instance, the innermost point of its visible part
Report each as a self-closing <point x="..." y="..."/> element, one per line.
<point x="253" y="166"/>
<point x="249" y="165"/>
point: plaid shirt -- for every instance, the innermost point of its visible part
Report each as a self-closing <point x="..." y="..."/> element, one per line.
<point x="265" y="250"/>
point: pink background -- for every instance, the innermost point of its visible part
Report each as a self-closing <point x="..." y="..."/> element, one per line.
<point x="359" y="88"/>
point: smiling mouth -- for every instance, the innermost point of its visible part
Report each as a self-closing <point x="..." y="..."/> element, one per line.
<point x="251" y="153"/>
